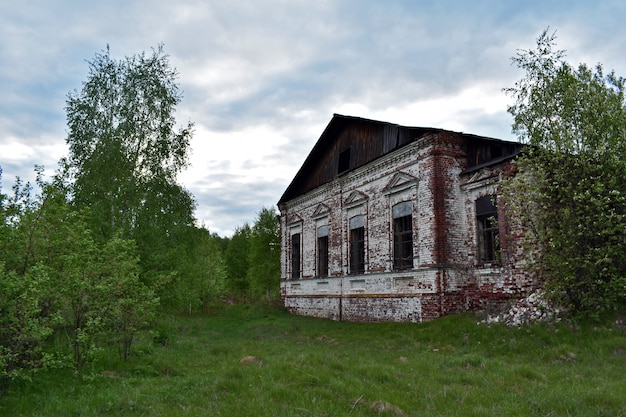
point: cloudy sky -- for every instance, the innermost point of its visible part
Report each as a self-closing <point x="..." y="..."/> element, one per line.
<point x="262" y="78"/>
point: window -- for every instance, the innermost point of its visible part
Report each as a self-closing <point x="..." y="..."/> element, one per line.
<point x="295" y="256"/>
<point x="344" y="161"/>
<point x="402" y="236"/>
<point x="357" y="245"/>
<point x="487" y="225"/>
<point x="322" y="251"/>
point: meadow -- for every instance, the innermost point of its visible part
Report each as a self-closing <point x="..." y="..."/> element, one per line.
<point x="261" y="361"/>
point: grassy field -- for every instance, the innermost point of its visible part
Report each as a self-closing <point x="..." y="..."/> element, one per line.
<point x="254" y="361"/>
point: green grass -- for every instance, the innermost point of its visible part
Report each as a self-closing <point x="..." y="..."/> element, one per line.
<point x="311" y="367"/>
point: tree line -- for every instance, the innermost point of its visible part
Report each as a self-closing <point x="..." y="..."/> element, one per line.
<point x="94" y="254"/>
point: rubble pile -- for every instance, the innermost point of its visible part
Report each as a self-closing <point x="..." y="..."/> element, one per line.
<point x="532" y="308"/>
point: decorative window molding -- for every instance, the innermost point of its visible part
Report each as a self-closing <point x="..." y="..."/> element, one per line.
<point x="322" y="286"/>
<point x="400" y="181"/>
<point x="322" y="210"/>
<point x="294" y="221"/>
<point x="355" y="198"/>
<point x="357" y="285"/>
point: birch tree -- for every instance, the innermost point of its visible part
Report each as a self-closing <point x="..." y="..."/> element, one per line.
<point x="574" y="121"/>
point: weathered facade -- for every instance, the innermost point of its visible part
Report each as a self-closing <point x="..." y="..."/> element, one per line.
<point x="392" y="223"/>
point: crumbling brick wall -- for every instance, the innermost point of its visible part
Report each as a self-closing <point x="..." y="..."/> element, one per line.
<point x="445" y="278"/>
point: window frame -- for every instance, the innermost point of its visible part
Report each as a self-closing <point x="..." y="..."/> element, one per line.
<point x="296" y="256"/>
<point x="487" y="230"/>
<point x="403" y="242"/>
<point x="322" y="251"/>
<point x="343" y="161"/>
<point x="356" y="265"/>
<point x="402" y="201"/>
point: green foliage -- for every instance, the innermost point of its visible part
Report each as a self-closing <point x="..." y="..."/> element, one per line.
<point x="125" y="154"/>
<point x="206" y="269"/>
<point x="26" y="322"/>
<point x="130" y="304"/>
<point x="65" y="281"/>
<point x="87" y="259"/>
<point x="28" y="305"/>
<point x="572" y="202"/>
<point x="313" y="367"/>
<point x="264" y="255"/>
<point x="237" y="262"/>
<point x="586" y="225"/>
<point x="199" y="280"/>
<point x="564" y="109"/>
<point x="103" y="299"/>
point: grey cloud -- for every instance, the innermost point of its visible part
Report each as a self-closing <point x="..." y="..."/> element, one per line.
<point x="233" y="204"/>
<point x="294" y="64"/>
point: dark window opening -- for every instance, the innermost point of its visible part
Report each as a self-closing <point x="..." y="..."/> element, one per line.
<point x="344" y="161"/>
<point x="495" y="151"/>
<point x="295" y="256"/>
<point x="487" y="225"/>
<point x="357" y="250"/>
<point x="481" y="152"/>
<point x="322" y="256"/>
<point x="403" y="243"/>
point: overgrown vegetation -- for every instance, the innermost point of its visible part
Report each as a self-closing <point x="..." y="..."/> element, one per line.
<point x="103" y="272"/>
<point x="250" y="361"/>
<point x="571" y="199"/>
<point x="90" y="257"/>
<point x="57" y="280"/>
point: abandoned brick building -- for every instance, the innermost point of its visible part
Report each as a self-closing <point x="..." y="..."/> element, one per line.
<point x="392" y="223"/>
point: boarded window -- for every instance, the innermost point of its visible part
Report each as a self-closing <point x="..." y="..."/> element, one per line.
<point x="487" y="226"/>
<point x="402" y="236"/>
<point x="295" y="256"/>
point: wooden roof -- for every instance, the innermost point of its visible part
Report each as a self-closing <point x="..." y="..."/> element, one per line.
<point x="350" y="142"/>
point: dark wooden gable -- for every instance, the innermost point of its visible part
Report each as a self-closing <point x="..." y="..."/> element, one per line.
<point x="348" y="143"/>
<point x="482" y="152"/>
